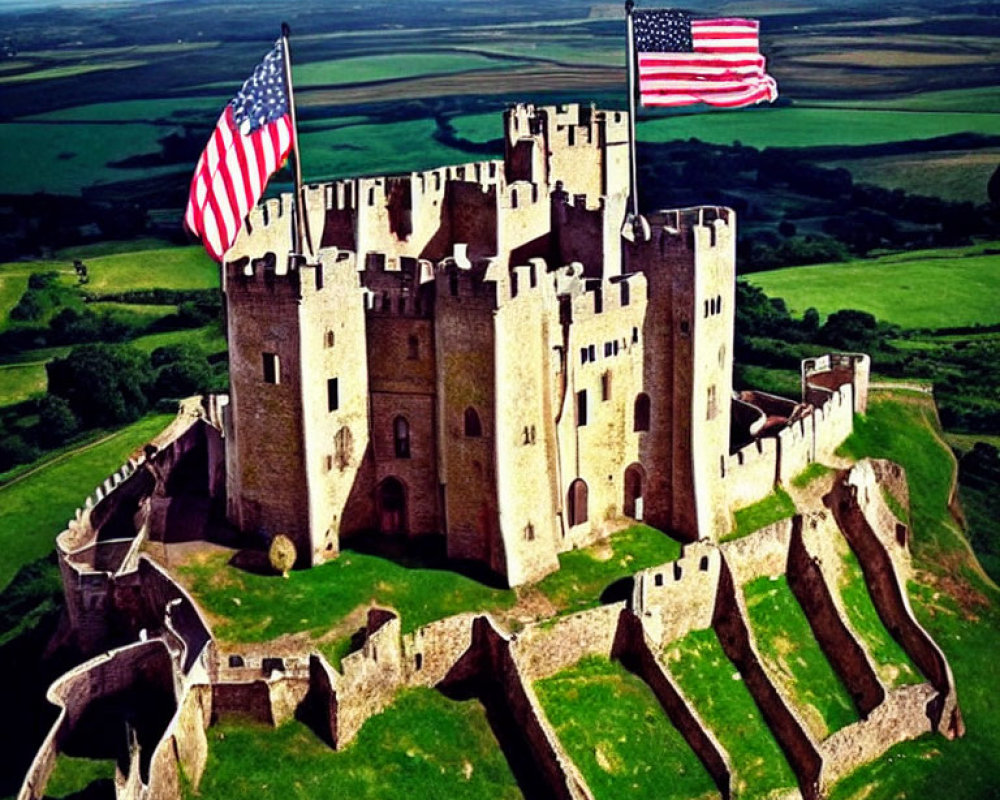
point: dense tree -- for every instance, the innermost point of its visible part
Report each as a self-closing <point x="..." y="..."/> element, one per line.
<point x="103" y="384"/>
<point x="56" y="421"/>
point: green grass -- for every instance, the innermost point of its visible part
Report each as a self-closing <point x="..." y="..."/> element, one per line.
<point x="614" y="729"/>
<point x="134" y="110"/>
<point x="422" y="746"/>
<point x="813" y="472"/>
<point x="584" y="574"/>
<point x="923" y="289"/>
<point x="773" y="508"/>
<point x="248" y="607"/>
<point x="712" y="684"/>
<point x="892" y="663"/>
<point x="902" y="426"/>
<point x="974" y="99"/>
<point x="19" y="382"/>
<point x="67" y="71"/>
<point x="210" y="339"/>
<point x="813" y="127"/>
<point x="36" y="508"/>
<point x="166" y="268"/>
<point x="72" y="775"/>
<point x="787" y="645"/>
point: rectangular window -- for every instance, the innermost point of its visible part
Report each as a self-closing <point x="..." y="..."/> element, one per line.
<point x="712" y="409"/>
<point x="606" y="386"/>
<point x="583" y="355"/>
<point x="581" y="408"/>
<point x="592" y="352"/>
<point x="608" y="349"/>
<point x="272" y="368"/>
<point x="332" y="394"/>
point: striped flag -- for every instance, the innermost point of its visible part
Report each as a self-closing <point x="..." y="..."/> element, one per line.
<point x="714" y="61"/>
<point x="250" y="143"/>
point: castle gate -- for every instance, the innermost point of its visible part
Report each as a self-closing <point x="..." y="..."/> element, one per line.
<point x="390" y="499"/>
<point x="635" y="483"/>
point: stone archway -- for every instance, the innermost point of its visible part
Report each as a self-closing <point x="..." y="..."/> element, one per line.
<point x="635" y="488"/>
<point x="390" y="500"/>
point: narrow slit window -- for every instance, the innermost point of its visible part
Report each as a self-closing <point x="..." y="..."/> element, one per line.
<point x="581" y="408"/>
<point x="332" y="394"/>
<point x="272" y="368"/>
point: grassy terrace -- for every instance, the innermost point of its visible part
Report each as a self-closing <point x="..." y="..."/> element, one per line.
<point x="615" y="731"/>
<point x="794" y="658"/>
<point x="776" y="506"/>
<point x="318" y="602"/>
<point x="892" y="663"/>
<point x="712" y="684"/>
<point x="423" y="746"/>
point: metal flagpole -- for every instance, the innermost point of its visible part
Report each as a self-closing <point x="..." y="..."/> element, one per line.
<point x="633" y="181"/>
<point x="301" y="220"/>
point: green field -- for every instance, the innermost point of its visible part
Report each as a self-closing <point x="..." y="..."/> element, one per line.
<point x="168" y="268"/>
<point x="66" y="158"/>
<point x="921" y="289"/>
<point x="18" y="382"/>
<point x="959" y="176"/>
<point x="363" y="69"/>
<point x="36" y="508"/>
<point x="422" y="746"/>
<point x="793" y="656"/>
<point x="163" y="109"/>
<point x="614" y="729"/>
<point x="814" y="127"/>
<point x="711" y="683"/>
<point x="974" y="99"/>
<point x="72" y="775"/>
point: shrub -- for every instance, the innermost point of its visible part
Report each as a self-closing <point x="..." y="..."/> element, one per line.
<point x="281" y="554"/>
<point x="104" y="384"/>
<point x="56" y="421"/>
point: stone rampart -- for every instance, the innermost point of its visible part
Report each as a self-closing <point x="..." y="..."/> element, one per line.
<point x="547" y="648"/>
<point x="763" y="553"/>
<point x="857" y="503"/>
<point x="676" y="598"/>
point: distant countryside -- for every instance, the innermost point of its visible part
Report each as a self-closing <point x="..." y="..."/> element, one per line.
<point x="868" y="208"/>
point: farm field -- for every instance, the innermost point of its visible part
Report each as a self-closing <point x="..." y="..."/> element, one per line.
<point x="921" y="289"/>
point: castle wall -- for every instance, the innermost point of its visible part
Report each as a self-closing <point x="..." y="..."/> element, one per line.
<point x="465" y="347"/>
<point x="598" y="439"/>
<point x="676" y="598"/>
<point x="527" y="478"/>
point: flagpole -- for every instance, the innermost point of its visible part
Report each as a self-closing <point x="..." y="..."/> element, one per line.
<point x="633" y="181"/>
<point x="301" y="221"/>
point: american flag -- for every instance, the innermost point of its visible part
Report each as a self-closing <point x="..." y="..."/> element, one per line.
<point x="714" y="61"/>
<point x="250" y="142"/>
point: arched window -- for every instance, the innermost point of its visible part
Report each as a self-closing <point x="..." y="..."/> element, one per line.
<point x="343" y="446"/>
<point x="473" y="425"/>
<point x="577" y="502"/>
<point x="641" y="416"/>
<point x="401" y="437"/>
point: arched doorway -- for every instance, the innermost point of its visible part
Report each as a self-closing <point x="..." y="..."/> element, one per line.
<point x="635" y="485"/>
<point x="391" y="503"/>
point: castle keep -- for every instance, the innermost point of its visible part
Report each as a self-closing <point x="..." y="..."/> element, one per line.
<point x="477" y="351"/>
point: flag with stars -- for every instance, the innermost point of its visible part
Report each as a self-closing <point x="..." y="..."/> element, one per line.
<point x="250" y="142"/>
<point x="682" y="61"/>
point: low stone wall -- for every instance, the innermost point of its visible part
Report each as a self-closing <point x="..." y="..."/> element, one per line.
<point x="840" y="646"/>
<point x="548" y="648"/>
<point x="638" y="653"/>
<point x="902" y="716"/>
<point x="679" y="597"/>
<point x="763" y="553"/>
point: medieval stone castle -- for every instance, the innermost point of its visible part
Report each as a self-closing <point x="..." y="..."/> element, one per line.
<point x="480" y="352"/>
